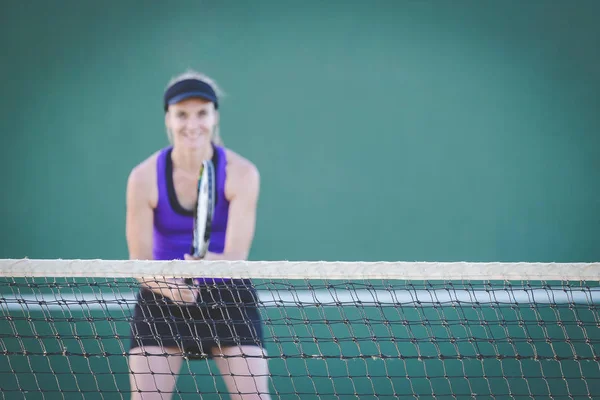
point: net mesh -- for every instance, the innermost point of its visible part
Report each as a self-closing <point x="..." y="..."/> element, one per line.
<point x="329" y="330"/>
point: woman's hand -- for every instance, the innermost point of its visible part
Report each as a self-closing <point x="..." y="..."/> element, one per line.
<point x="180" y="294"/>
<point x="176" y="290"/>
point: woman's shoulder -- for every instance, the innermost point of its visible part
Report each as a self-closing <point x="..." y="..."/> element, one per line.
<point x="142" y="177"/>
<point x="242" y="174"/>
<point x="238" y="164"/>
<point x="146" y="168"/>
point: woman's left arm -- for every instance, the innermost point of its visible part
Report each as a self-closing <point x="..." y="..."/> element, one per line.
<point x="242" y="188"/>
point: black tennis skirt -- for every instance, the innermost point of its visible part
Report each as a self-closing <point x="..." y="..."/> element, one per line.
<point x="225" y="315"/>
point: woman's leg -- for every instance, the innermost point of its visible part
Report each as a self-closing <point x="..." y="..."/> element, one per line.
<point x="153" y="375"/>
<point x="247" y="377"/>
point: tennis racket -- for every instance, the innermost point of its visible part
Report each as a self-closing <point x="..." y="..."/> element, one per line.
<point x="203" y="212"/>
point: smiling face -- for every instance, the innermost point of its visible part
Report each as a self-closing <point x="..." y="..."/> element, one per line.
<point x="191" y="123"/>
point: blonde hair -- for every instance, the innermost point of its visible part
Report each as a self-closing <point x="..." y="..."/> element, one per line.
<point x="192" y="74"/>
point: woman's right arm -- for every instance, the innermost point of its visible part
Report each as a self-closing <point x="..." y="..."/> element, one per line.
<point x="139" y="226"/>
<point x="139" y="214"/>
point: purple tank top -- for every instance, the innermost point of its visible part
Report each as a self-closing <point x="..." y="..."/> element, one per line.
<point x="173" y="224"/>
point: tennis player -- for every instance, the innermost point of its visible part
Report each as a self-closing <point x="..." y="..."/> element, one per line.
<point x="215" y="318"/>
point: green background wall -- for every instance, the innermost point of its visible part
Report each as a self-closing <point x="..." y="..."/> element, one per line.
<point x="383" y="130"/>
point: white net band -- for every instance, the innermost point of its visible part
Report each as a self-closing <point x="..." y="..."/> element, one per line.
<point x="301" y="270"/>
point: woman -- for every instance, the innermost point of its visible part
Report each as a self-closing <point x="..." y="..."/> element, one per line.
<point x="217" y="320"/>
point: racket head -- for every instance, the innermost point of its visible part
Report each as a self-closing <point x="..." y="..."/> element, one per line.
<point x="204" y="210"/>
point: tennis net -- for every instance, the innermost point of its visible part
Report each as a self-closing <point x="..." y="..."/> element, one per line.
<point x="364" y="330"/>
